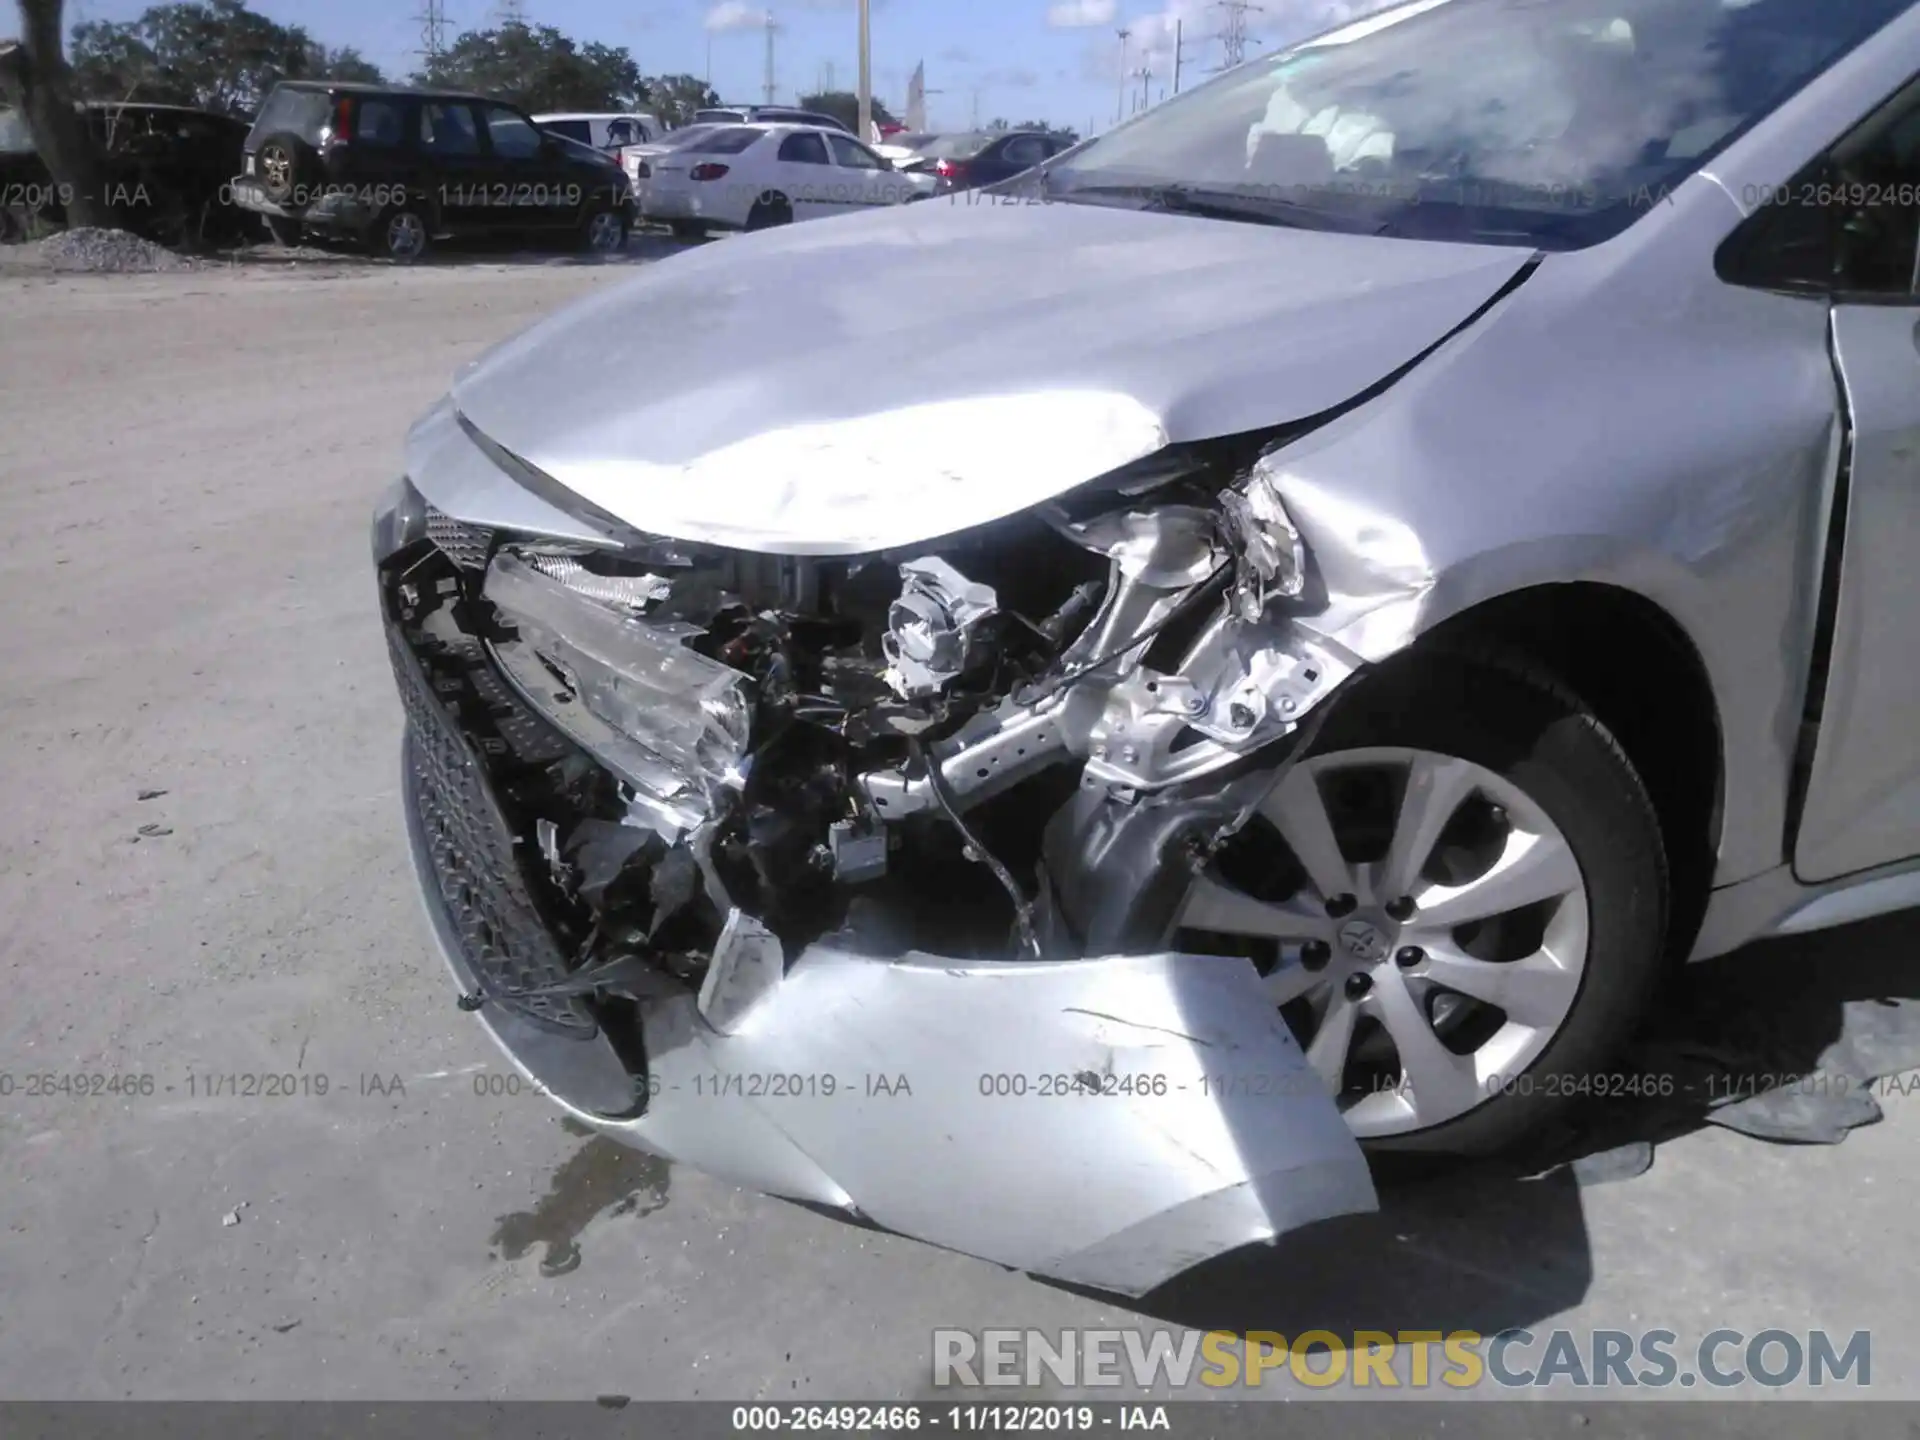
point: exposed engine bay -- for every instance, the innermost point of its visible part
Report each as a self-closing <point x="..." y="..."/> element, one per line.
<point x="1017" y="743"/>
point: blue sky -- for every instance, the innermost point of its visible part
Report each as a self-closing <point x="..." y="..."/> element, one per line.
<point x="1053" y="60"/>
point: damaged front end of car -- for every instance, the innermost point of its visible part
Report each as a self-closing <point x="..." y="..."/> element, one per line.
<point x="858" y="879"/>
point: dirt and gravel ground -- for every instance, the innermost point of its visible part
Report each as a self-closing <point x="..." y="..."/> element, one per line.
<point x="202" y="879"/>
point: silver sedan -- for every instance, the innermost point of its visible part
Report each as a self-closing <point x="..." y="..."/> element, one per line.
<point x="1083" y="710"/>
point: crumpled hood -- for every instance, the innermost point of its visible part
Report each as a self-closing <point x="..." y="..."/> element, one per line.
<point x="882" y="379"/>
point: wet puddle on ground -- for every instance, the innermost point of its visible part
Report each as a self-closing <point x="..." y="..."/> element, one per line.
<point x="602" y="1177"/>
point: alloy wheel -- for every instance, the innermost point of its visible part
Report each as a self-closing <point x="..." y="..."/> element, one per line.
<point x="1420" y="921"/>
<point x="605" y="234"/>
<point x="406" y="235"/>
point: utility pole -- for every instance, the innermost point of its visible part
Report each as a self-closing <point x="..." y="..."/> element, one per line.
<point x="866" y="71"/>
<point x="1233" y="32"/>
<point x="1179" y="53"/>
<point x="709" y="59"/>
<point x="768" y="83"/>
<point x="433" y="29"/>
<point x="1120" y="106"/>
<point x="976" y="109"/>
<point x="1146" y="81"/>
<point x="511" y="12"/>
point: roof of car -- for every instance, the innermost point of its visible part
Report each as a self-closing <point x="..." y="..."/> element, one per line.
<point x="593" y="115"/>
<point x="367" y="87"/>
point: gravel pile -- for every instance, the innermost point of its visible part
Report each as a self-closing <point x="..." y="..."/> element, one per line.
<point x="104" y="252"/>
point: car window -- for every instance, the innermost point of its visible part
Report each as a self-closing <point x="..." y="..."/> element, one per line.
<point x="1024" y="150"/>
<point x="623" y="132"/>
<point x="1877" y="175"/>
<point x="576" y="130"/>
<point x="717" y="117"/>
<point x="850" y="152"/>
<point x="377" y="122"/>
<point x="1848" y="224"/>
<point x="1539" y="125"/>
<point x="729" y="141"/>
<point x="804" y="147"/>
<point x="691" y="135"/>
<point x="299" y="112"/>
<point x="514" y="136"/>
<point x="955" y="147"/>
<point x="447" y="128"/>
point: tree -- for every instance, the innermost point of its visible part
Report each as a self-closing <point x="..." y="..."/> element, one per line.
<point x="1072" y="137"/>
<point x="35" y="80"/>
<point x="844" y="106"/>
<point x="218" y="55"/>
<point x="674" y="98"/>
<point x="538" y="68"/>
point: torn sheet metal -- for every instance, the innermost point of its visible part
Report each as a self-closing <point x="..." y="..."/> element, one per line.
<point x="1110" y="1122"/>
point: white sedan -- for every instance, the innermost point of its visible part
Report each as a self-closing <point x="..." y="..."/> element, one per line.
<point x="748" y="177"/>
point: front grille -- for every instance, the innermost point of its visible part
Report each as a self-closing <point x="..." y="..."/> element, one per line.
<point x="468" y="546"/>
<point x="504" y="939"/>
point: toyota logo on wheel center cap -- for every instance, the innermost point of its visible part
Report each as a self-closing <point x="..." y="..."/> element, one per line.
<point x="1363" y="940"/>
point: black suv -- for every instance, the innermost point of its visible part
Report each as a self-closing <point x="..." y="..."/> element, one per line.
<point x="395" y="168"/>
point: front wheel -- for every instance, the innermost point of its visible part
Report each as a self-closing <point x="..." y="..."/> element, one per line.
<point x="1457" y="899"/>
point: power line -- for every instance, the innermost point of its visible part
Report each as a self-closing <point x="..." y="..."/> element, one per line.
<point x="433" y="29"/>
<point x="1233" y="31"/>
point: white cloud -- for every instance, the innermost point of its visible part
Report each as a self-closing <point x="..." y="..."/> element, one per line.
<point x="735" y="15"/>
<point x="1079" y="14"/>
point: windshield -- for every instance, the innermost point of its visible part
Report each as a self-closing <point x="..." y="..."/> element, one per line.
<point x="1548" y="123"/>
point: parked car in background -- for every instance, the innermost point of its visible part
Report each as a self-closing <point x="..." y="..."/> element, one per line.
<point x="984" y="157"/>
<point x="750" y="177"/>
<point x="1413" y="541"/>
<point x="396" y="168"/>
<point x="608" y="131"/>
<point x="165" y="170"/>
<point x="765" y="115"/>
<point x="903" y="147"/>
<point x="637" y="160"/>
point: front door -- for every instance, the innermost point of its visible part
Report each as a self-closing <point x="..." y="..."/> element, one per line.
<point x="1863" y="792"/>
<point x="455" y="163"/>
<point x="531" y="189"/>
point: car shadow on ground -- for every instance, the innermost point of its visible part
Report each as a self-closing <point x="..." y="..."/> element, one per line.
<point x="1781" y="1041"/>
<point x="642" y="247"/>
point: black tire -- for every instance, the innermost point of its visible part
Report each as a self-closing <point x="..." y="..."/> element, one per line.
<point x="1536" y="745"/>
<point x="595" y="240"/>
<point x="1507" y="714"/>
<point x="383" y="238"/>
<point x="769" y="210"/>
<point x="286" y="166"/>
<point x="284" y="231"/>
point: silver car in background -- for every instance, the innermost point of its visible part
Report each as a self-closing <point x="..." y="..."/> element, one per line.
<point x="1079" y="715"/>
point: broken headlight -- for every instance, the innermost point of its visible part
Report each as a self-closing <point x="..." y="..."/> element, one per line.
<point x="669" y="721"/>
<point x="1271" y="560"/>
